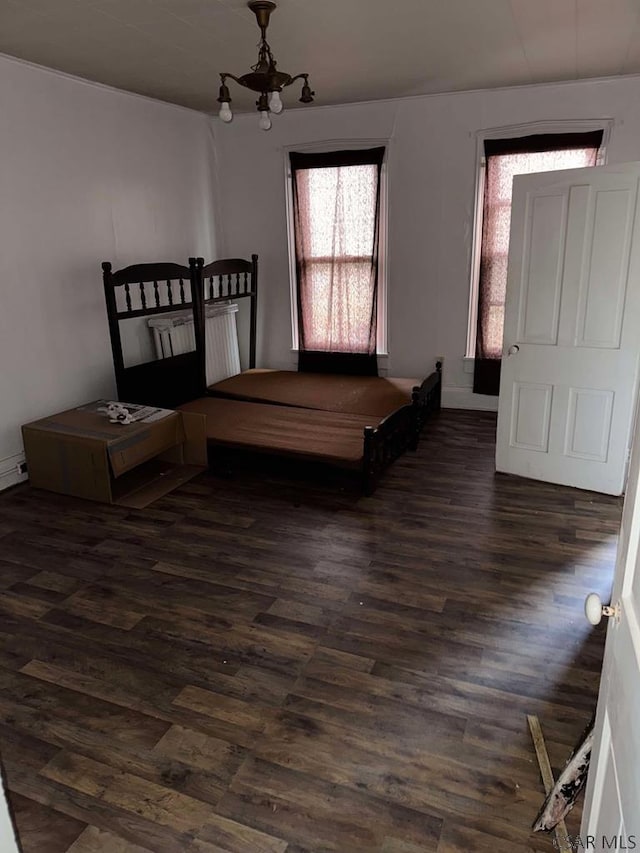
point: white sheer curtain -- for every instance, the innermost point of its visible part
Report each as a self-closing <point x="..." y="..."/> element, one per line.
<point x="336" y="221"/>
<point x="505" y="158"/>
<point x="501" y="170"/>
<point x="336" y="241"/>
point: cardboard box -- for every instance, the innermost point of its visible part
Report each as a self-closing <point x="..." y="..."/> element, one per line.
<point x="80" y="453"/>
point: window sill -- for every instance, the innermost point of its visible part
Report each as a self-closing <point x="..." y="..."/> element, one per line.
<point x="381" y="356"/>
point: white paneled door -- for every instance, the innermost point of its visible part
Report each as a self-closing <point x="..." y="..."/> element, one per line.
<point x="611" y="817"/>
<point x="572" y="328"/>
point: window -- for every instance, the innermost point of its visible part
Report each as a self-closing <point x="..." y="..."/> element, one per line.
<point x="336" y="251"/>
<point x="503" y="159"/>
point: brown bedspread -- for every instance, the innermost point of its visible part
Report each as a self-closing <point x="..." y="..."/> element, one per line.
<point x="377" y="396"/>
<point x="305" y="433"/>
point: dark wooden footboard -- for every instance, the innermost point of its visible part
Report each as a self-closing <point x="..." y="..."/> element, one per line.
<point x="384" y="443"/>
<point x="425" y="400"/>
<point x="400" y="430"/>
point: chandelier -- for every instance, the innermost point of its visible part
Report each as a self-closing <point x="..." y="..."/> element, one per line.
<point x="263" y="77"/>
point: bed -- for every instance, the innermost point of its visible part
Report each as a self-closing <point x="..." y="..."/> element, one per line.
<point x="374" y="396"/>
<point x="358" y="423"/>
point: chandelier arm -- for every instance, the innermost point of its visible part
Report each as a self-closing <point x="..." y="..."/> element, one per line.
<point x="226" y="74"/>
<point x="291" y="80"/>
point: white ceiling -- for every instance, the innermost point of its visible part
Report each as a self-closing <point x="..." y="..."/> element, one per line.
<point x="354" y="50"/>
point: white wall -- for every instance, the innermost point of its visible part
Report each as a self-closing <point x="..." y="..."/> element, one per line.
<point x="431" y="197"/>
<point x="87" y="174"/>
<point x="7" y="833"/>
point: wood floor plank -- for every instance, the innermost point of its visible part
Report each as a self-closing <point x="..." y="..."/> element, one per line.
<point x="132" y="827"/>
<point x="243" y="714"/>
<point x="13" y="603"/>
<point x="222" y="835"/>
<point x="123" y="724"/>
<point x="94" y="840"/>
<point x="310" y="811"/>
<point x="44" y="827"/>
<point x="55" y="582"/>
<point x="459" y="838"/>
<point x="155" y="803"/>
<point x="200" y="766"/>
<point x="268" y="664"/>
<point x="102" y="606"/>
<point x="88" y="685"/>
<point x="333" y="657"/>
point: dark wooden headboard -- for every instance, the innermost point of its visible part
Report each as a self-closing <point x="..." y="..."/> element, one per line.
<point x="232" y="278"/>
<point x="145" y="290"/>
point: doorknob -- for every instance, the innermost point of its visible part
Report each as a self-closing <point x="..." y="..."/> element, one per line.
<point x="594" y="609"/>
<point x="513" y="349"/>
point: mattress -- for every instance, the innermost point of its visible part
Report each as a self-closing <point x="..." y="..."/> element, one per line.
<point x="376" y="396"/>
<point x="333" y="437"/>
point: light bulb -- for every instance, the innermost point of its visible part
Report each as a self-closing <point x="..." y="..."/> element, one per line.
<point x="275" y="103"/>
<point x="265" y="121"/>
<point x="225" y="111"/>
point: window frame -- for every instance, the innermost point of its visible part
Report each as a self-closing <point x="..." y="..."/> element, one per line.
<point x="507" y="132"/>
<point x="382" y="350"/>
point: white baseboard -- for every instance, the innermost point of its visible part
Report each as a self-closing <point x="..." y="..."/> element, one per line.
<point x="9" y="474"/>
<point x="456" y="397"/>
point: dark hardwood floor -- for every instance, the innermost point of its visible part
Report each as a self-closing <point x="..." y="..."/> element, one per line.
<point x="254" y="664"/>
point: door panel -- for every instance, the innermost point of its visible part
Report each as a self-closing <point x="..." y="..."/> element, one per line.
<point x="603" y="285"/>
<point x="567" y="390"/>
<point x="589" y="424"/>
<point x="611" y="817"/>
<point x="623" y="704"/>
<point x="542" y="282"/>
<point x="610" y="807"/>
<point x="530" y="416"/>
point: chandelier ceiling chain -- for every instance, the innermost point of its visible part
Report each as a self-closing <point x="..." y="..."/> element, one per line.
<point x="264" y="77"/>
